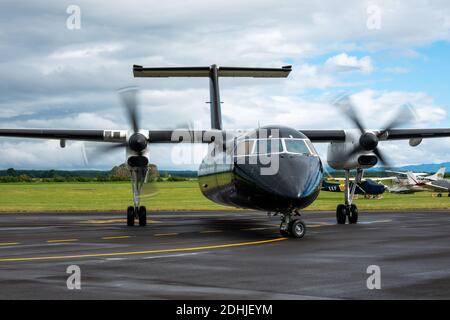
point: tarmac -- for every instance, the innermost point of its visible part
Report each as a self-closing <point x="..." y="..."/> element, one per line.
<point x="224" y="255"/>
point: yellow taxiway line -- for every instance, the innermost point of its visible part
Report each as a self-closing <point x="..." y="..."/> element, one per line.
<point x="116" y="237"/>
<point x="165" y="234"/>
<point x="62" y="240"/>
<point x="112" y="254"/>
<point x="8" y="243"/>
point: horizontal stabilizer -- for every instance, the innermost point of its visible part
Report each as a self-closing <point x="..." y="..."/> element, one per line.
<point x="283" y="72"/>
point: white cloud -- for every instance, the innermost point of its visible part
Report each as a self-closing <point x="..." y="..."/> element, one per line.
<point x="76" y="121"/>
<point x="85" y="50"/>
<point x="68" y="79"/>
<point x="377" y="107"/>
<point x="344" y="62"/>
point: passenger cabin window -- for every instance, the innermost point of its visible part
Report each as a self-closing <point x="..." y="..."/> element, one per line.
<point x="269" y="146"/>
<point x="297" y="146"/>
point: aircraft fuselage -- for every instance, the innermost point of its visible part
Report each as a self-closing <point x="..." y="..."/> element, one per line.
<point x="241" y="181"/>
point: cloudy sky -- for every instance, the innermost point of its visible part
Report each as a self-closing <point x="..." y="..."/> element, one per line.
<point x="383" y="53"/>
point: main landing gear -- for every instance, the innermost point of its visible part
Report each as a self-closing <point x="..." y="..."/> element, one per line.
<point x="348" y="210"/>
<point x="292" y="227"/>
<point x="139" y="212"/>
<point x="138" y="178"/>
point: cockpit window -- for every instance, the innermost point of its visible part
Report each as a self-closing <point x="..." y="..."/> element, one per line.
<point x="311" y="147"/>
<point x="297" y="146"/>
<point x="268" y="146"/>
<point x="274" y="146"/>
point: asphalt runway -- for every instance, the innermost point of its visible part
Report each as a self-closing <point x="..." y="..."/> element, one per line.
<point x="224" y="255"/>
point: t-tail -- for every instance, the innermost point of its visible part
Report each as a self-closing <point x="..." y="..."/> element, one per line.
<point x="213" y="72"/>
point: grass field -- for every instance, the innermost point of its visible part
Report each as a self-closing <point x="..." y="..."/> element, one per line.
<point x="35" y="197"/>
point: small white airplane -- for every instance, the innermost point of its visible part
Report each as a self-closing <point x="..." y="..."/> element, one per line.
<point x="418" y="182"/>
<point x="420" y="176"/>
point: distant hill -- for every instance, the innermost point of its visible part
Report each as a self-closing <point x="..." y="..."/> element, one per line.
<point x="431" y="168"/>
<point x="425" y="167"/>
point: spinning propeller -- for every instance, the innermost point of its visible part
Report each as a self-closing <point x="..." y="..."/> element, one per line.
<point x="368" y="141"/>
<point x="137" y="141"/>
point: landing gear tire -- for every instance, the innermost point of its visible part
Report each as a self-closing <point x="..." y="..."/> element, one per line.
<point x="353" y="214"/>
<point x="142" y="214"/>
<point x="439" y="195"/>
<point x="341" y="214"/>
<point x="130" y="216"/>
<point x="297" y="229"/>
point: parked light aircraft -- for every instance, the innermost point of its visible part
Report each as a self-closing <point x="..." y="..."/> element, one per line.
<point x="239" y="167"/>
<point x="418" y="182"/>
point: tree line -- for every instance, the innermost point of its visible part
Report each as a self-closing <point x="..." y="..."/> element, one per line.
<point x="116" y="174"/>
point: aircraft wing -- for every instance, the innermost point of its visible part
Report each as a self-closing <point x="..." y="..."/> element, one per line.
<point x="434" y="187"/>
<point x="373" y="179"/>
<point x="392" y="134"/>
<point x="167" y="136"/>
<point x="155" y="136"/>
<point x="82" y="135"/>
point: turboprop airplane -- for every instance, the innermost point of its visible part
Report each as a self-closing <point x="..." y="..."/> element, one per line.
<point x="274" y="168"/>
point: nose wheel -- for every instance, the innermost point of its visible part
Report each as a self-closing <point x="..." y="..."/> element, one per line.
<point x="292" y="228"/>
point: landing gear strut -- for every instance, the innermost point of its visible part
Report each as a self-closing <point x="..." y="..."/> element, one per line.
<point x="292" y="227"/>
<point x="138" y="178"/>
<point x="348" y="209"/>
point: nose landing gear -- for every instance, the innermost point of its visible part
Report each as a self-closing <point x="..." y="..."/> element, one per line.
<point x="292" y="227"/>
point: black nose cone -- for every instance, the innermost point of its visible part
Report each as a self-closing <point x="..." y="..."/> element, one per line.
<point x="298" y="176"/>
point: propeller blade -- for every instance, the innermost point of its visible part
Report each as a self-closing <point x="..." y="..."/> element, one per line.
<point x="403" y="116"/>
<point x="100" y="150"/>
<point x="344" y="104"/>
<point x="357" y="149"/>
<point x="149" y="189"/>
<point x="382" y="158"/>
<point x="129" y="101"/>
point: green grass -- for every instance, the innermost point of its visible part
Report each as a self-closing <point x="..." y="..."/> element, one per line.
<point x="185" y="195"/>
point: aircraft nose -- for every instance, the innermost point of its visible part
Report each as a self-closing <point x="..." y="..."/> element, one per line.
<point x="297" y="176"/>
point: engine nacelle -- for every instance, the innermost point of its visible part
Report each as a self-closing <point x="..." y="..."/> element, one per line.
<point x="337" y="154"/>
<point x="137" y="159"/>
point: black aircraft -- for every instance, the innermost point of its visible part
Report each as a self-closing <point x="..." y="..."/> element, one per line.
<point x="274" y="168"/>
